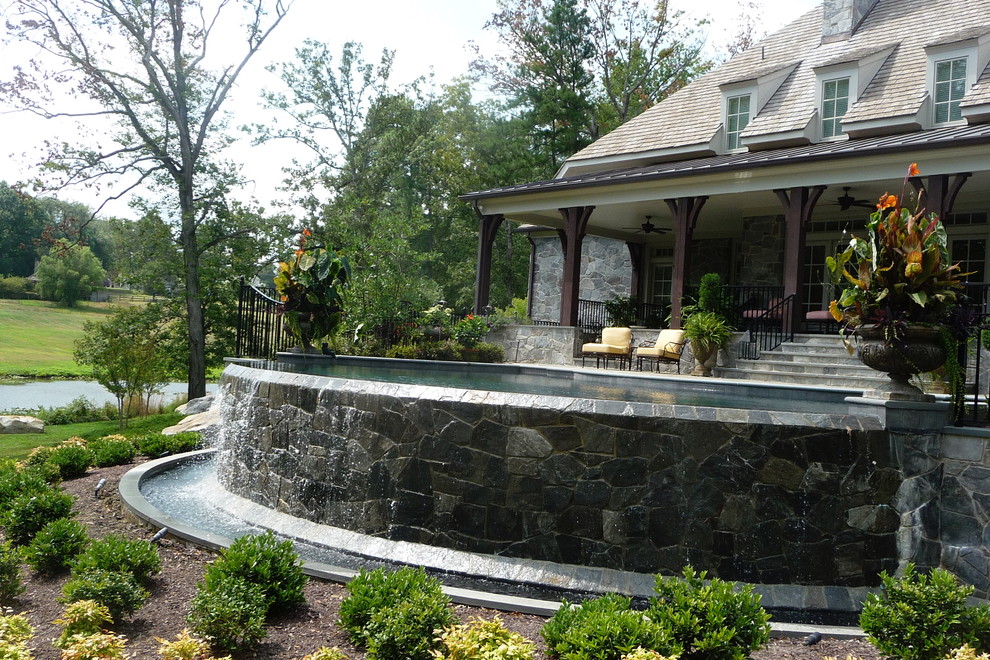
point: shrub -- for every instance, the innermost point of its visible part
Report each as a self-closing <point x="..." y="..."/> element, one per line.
<point x="119" y="592"/>
<point x="15" y="633"/>
<point x="98" y="646"/>
<point x="230" y="612"/>
<point x="28" y="513"/>
<point x="264" y="561"/>
<point x="15" y="482"/>
<point x="481" y="639"/>
<point x="183" y="442"/>
<point x="77" y="411"/>
<point x="116" y="553"/>
<point x="38" y="456"/>
<point x="710" y="621"/>
<point x="488" y="352"/>
<point x="639" y="653"/>
<point x="603" y="629"/>
<point x="327" y="653"/>
<point x="14" y="287"/>
<point x="372" y="591"/>
<point x="81" y="619"/>
<point x="407" y="629"/>
<point x="156" y="445"/>
<point x="10" y="573"/>
<point x="966" y="652"/>
<point x="15" y="629"/>
<point x="922" y="617"/>
<point x="186" y="647"/>
<point x="107" y="451"/>
<point x="55" y="546"/>
<point x="72" y="459"/>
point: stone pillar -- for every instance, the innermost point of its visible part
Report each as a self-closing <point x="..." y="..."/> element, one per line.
<point x="487" y="230"/>
<point x="571" y="236"/>
<point x="939" y="196"/>
<point x="685" y="211"/>
<point x="799" y="204"/>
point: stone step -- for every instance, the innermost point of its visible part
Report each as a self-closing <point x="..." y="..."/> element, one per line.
<point x="823" y="369"/>
<point x="813" y="358"/>
<point x="858" y="383"/>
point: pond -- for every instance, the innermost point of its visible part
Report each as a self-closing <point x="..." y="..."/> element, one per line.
<point x="54" y="393"/>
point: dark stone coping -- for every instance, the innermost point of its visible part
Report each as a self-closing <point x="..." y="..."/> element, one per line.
<point x="599" y="580"/>
<point x="835" y="415"/>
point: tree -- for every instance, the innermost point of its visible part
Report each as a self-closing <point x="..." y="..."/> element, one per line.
<point x="164" y="101"/>
<point x="69" y="273"/>
<point x="124" y="354"/>
<point x="149" y="257"/>
<point x="21" y="223"/>
<point x="576" y="69"/>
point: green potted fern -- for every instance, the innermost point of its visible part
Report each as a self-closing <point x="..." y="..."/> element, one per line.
<point x="707" y="332"/>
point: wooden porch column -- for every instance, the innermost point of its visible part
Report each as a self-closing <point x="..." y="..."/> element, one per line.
<point x="636" y="251"/>
<point x="939" y="196"/>
<point x="685" y="211"/>
<point x="487" y="230"/>
<point x="571" y="237"/>
<point x="799" y="204"/>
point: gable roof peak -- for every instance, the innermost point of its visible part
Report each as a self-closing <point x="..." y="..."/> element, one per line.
<point x="842" y="17"/>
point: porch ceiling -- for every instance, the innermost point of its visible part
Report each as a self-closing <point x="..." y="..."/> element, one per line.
<point x="741" y="185"/>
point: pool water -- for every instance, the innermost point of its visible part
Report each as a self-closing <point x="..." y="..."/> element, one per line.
<point x="579" y="384"/>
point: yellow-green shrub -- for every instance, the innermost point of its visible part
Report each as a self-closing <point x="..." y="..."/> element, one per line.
<point x="481" y="639"/>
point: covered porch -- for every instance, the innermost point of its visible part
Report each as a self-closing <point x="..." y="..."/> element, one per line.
<point x="764" y="221"/>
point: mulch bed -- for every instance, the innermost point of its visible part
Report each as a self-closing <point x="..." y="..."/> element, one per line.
<point x="290" y="636"/>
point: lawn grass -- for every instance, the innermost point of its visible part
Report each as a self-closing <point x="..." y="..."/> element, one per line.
<point x="36" y="337"/>
<point x="19" y="445"/>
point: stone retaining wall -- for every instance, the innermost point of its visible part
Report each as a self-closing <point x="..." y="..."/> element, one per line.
<point x="624" y="486"/>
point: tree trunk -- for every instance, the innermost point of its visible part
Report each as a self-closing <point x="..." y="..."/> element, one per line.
<point x="194" y="302"/>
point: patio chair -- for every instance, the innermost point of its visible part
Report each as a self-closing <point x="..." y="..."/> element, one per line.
<point x="616" y="344"/>
<point x="667" y="348"/>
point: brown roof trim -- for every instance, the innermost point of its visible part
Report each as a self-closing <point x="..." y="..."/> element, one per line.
<point x="953" y="136"/>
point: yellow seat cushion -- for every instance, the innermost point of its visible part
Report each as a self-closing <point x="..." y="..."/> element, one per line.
<point x="615" y="341"/>
<point x="605" y="348"/>
<point x="669" y="345"/>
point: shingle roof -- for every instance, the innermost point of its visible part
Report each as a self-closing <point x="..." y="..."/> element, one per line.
<point x="693" y="115"/>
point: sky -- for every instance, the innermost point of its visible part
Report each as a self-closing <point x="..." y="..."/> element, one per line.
<point x="426" y="35"/>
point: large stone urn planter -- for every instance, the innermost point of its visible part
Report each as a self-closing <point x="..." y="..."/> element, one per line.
<point x="703" y="352"/>
<point x="919" y="351"/>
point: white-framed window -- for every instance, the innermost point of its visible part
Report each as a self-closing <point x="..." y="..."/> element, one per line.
<point x="970" y="252"/>
<point x="736" y="118"/>
<point x="835" y="103"/>
<point x="949" y="89"/>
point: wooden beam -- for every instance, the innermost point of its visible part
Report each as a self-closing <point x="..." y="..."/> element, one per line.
<point x="487" y="231"/>
<point x="685" y="211"/>
<point x="575" y="224"/>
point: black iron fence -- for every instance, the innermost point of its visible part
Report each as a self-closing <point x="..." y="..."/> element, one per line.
<point x="973" y="407"/>
<point x="259" y="323"/>
<point x="593" y="316"/>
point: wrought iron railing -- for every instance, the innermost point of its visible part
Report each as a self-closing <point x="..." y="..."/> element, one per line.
<point x="593" y="316"/>
<point x="742" y="304"/>
<point x="259" y="323"/>
<point x="972" y="408"/>
<point x="768" y="328"/>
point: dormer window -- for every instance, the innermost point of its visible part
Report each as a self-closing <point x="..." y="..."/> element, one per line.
<point x="736" y="118"/>
<point x="950" y="87"/>
<point x="835" y="102"/>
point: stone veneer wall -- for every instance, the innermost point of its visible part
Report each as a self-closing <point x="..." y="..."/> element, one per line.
<point x="710" y="256"/>
<point x="761" y="251"/>
<point x="538" y="344"/>
<point x="606" y="271"/>
<point x="640" y="487"/>
<point x="962" y="474"/>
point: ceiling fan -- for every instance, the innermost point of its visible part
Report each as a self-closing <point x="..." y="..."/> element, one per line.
<point x="649" y="228"/>
<point x="847" y="201"/>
